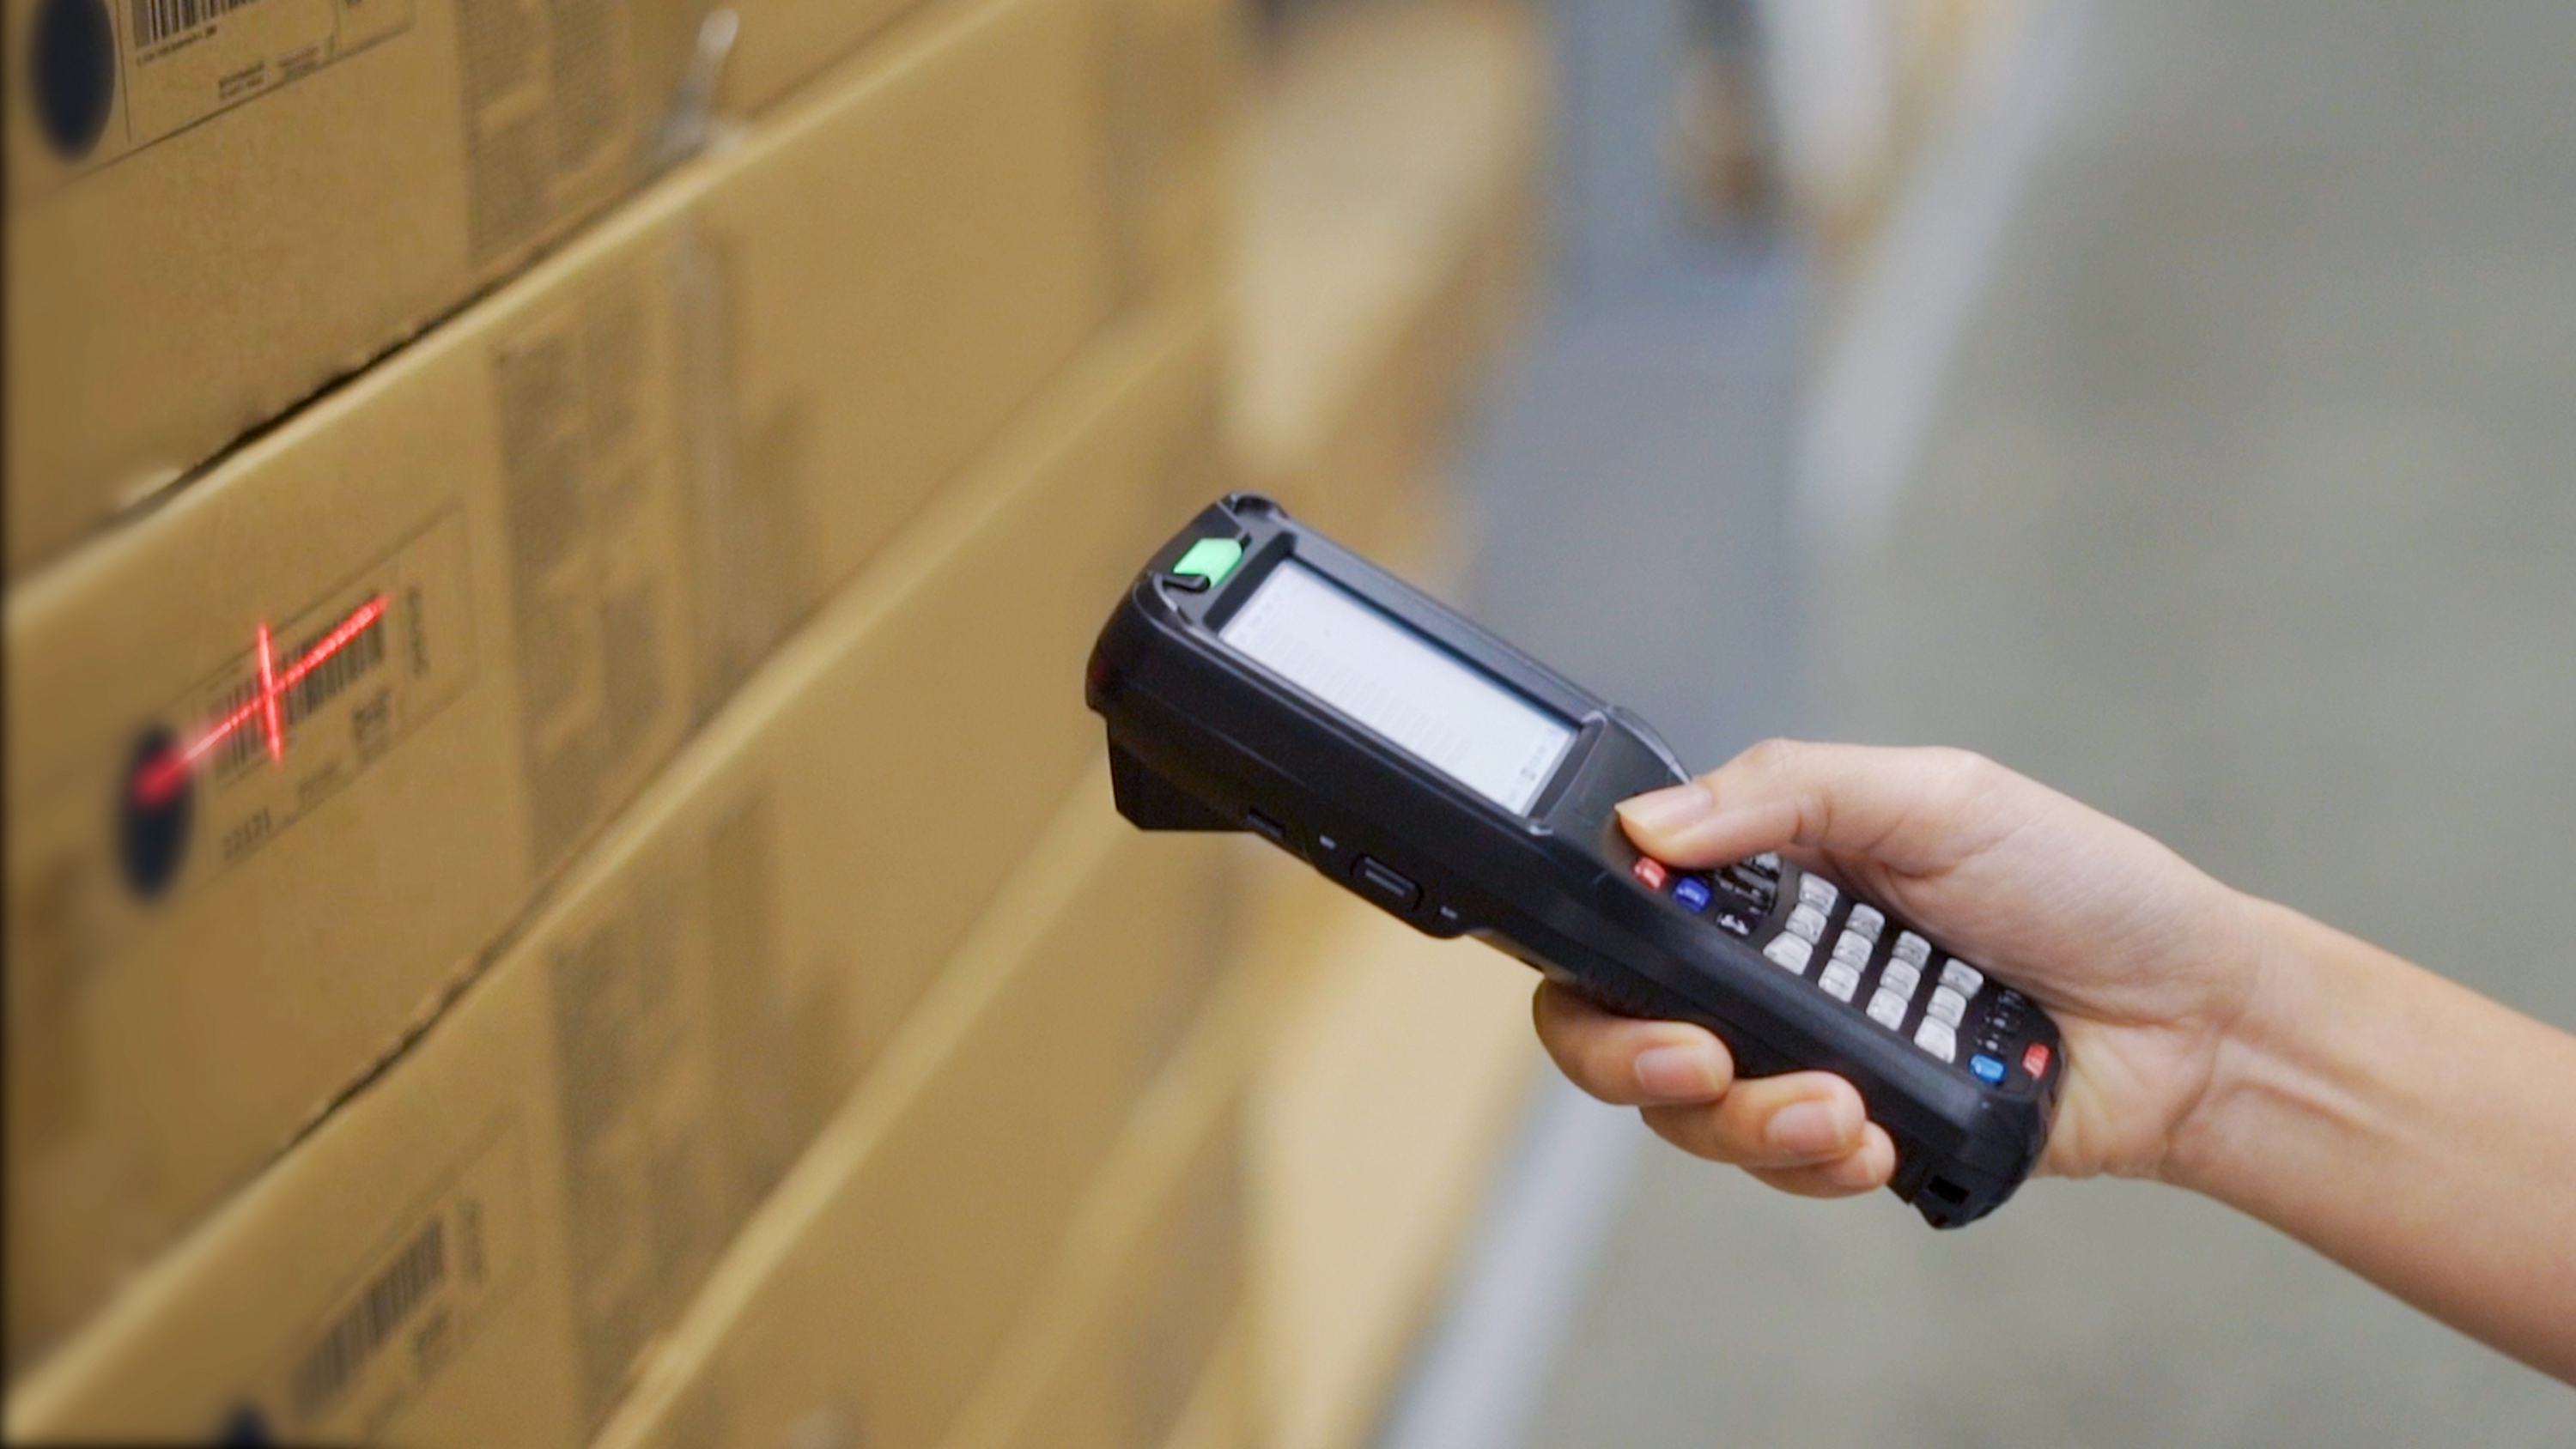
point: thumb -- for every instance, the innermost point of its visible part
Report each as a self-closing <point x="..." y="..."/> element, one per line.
<point x="1898" y="806"/>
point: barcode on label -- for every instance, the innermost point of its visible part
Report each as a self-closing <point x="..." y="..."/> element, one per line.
<point x="239" y="746"/>
<point x="330" y="677"/>
<point x="157" y="20"/>
<point x="363" y="1327"/>
<point x="337" y="671"/>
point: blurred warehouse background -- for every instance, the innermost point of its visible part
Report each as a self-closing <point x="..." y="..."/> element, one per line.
<point x="560" y="890"/>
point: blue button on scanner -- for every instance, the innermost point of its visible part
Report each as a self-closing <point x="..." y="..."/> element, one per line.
<point x="1692" y="892"/>
<point x="1986" y="1068"/>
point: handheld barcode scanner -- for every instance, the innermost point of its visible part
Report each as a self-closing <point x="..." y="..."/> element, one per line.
<point x="1258" y="676"/>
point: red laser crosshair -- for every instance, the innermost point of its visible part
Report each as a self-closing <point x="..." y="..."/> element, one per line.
<point x="158" y="781"/>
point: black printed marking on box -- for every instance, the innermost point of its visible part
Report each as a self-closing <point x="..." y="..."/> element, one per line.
<point x="157" y="20"/>
<point x="363" y="1328"/>
<point x="335" y="672"/>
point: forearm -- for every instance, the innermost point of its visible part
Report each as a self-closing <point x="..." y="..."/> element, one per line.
<point x="2416" y="1132"/>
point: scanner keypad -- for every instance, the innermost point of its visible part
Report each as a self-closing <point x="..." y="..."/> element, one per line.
<point x="1899" y="980"/>
<point x="1806" y="923"/>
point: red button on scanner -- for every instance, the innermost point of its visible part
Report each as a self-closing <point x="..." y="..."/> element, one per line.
<point x="2034" y="1062"/>
<point x="1651" y="871"/>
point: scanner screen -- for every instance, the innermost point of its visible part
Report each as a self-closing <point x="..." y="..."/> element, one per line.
<point x="1419" y="696"/>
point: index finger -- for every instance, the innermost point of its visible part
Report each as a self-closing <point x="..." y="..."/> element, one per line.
<point x="1915" y="811"/>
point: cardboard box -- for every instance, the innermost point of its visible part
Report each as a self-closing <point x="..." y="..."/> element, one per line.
<point x="183" y="288"/>
<point x="587" y="506"/>
<point x="1137" y="1336"/>
<point x="1370" y="1145"/>
<point x="932" y="1250"/>
<point x="1179" y="71"/>
<point x="1388" y="230"/>
<point x="475" y="1247"/>
<point x="219" y="206"/>
<point x="1223" y="1412"/>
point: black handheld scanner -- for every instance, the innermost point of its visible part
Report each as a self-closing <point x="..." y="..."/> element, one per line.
<point x="1260" y="677"/>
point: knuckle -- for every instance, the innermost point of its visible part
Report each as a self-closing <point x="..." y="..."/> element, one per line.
<point x="1775" y="758"/>
<point x="1965" y="775"/>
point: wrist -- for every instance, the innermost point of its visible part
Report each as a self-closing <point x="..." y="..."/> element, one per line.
<point x="2288" y="1069"/>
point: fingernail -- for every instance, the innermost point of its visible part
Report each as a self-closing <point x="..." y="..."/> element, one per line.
<point x="1669" y="809"/>
<point x="1677" y="1073"/>
<point x="1805" y="1127"/>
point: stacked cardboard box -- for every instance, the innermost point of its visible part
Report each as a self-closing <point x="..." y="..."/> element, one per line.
<point x="1393" y="1083"/>
<point x="555" y="885"/>
<point x="215" y="209"/>
<point x="584" y="509"/>
<point x="1388" y="205"/>
<point x="878" y="1292"/>
<point x="1177" y="74"/>
<point x="562" y="1155"/>
<point x="292" y="754"/>
<point x="219" y="209"/>
<point x="1388" y="224"/>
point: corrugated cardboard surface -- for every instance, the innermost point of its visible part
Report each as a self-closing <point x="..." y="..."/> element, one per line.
<point x="1181" y="70"/>
<point x="1134" y="1338"/>
<point x="1388" y="206"/>
<point x="1370" y="1142"/>
<point x="875" y="1295"/>
<point x="271" y="194"/>
<point x="1223" y="1412"/>
<point x="588" y="506"/>
<point x="475" y="1246"/>
<point x="783" y="44"/>
<point x="1178" y="68"/>
<point x="283" y="191"/>
<point x="1370" y="1145"/>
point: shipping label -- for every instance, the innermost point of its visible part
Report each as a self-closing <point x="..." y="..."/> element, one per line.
<point x="185" y="60"/>
<point x="417" y="1302"/>
<point x="317" y="699"/>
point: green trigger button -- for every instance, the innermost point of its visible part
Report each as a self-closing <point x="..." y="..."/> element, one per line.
<point x="1209" y="559"/>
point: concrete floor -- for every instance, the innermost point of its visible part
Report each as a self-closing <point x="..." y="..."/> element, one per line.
<point x="2246" y="510"/>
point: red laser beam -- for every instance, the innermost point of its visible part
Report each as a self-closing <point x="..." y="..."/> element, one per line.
<point x="270" y="724"/>
<point x="161" y="779"/>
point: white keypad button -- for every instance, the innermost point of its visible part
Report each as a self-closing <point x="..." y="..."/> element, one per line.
<point x="1946" y="1006"/>
<point x="1852" y="948"/>
<point x="1788" y="952"/>
<point x="1807" y="924"/>
<point x="1887" y="1008"/>
<point x="1900" y="978"/>
<point x="1840" y="980"/>
<point x="1767" y="861"/>
<point x="1817" y="892"/>
<point x="1866" y="921"/>
<point x="1913" y="949"/>
<point x="1937" y="1038"/>
<point x="1961" y="977"/>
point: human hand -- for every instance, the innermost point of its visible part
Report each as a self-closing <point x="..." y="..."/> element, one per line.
<point x="2145" y="962"/>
